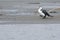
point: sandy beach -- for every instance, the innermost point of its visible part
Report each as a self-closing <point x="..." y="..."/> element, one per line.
<point x="29" y="20"/>
<point x="23" y="12"/>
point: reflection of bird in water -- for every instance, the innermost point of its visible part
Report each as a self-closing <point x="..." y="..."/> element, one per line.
<point x="43" y="13"/>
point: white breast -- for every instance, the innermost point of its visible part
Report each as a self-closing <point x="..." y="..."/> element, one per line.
<point x="40" y="12"/>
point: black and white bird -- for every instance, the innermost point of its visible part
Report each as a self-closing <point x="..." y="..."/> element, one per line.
<point x="43" y="13"/>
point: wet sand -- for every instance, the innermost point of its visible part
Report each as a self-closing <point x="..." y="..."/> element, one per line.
<point x="6" y="19"/>
<point x="24" y="13"/>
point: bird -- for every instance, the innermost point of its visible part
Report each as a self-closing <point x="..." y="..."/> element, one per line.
<point x="43" y="13"/>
